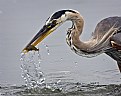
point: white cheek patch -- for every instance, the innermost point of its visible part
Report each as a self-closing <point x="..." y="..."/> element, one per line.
<point x="68" y="13"/>
<point x="63" y="18"/>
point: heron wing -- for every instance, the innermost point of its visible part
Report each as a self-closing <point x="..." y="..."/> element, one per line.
<point x="105" y="25"/>
<point x="114" y="43"/>
<point x="104" y="30"/>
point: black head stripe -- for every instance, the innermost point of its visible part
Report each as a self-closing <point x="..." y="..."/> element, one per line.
<point x="60" y="13"/>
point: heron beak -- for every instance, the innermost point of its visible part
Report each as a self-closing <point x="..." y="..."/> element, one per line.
<point x="45" y="31"/>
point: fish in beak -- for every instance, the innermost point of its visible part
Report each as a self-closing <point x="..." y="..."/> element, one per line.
<point x="45" y="31"/>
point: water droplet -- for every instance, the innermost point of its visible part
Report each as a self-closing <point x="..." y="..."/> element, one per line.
<point x="53" y="89"/>
<point x="76" y="63"/>
<point x="39" y="58"/>
<point x="61" y="59"/>
<point x="47" y="48"/>
<point x="47" y="86"/>
<point x="22" y="56"/>
<point x="58" y="81"/>
<point x="21" y="59"/>
<point x="48" y="53"/>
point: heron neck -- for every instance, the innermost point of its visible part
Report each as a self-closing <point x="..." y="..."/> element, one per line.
<point x="76" y="32"/>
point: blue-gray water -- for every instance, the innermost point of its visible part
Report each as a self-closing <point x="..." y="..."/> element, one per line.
<point x="20" y="20"/>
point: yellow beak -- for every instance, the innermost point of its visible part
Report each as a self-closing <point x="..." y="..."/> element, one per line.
<point x="45" y="31"/>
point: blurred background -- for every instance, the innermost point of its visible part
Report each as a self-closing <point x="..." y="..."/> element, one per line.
<point x="20" y="20"/>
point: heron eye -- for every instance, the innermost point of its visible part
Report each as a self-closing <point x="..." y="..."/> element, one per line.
<point x="54" y="22"/>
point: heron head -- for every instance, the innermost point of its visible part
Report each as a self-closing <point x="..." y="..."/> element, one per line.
<point x="51" y="24"/>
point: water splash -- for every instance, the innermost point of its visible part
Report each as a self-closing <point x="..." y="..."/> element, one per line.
<point x="31" y="70"/>
<point x="47" y="48"/>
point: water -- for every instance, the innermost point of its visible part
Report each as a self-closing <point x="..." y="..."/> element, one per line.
<point x="56" y="70"/>
<point x="67" y="89"/>
<point x="53" y="84"/>
<point x="31" y="69"/>
<point x="59" y="83"/>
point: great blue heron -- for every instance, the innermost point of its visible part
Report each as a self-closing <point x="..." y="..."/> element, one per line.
<point x="105" y="39"/>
